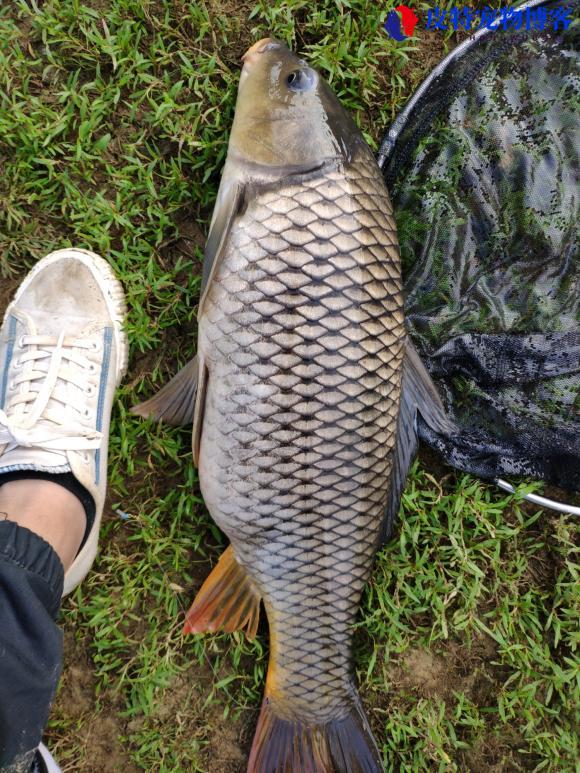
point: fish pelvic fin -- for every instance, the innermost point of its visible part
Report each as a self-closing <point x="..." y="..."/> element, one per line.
<point x="344" y="745"/>
<point x="175" y="402"/>
<point x="227" y="601"/>
<point x="419" y="398"/>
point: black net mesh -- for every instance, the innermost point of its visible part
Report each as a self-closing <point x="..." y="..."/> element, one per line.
<point x="483" y="171"/>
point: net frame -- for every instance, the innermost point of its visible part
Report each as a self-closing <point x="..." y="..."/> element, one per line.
<point x="389" y="143"/>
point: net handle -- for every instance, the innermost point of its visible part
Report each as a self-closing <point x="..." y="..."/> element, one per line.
<point x="538" y="500"/>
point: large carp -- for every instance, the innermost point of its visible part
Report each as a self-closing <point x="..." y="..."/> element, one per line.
<point x="300" y="430"/>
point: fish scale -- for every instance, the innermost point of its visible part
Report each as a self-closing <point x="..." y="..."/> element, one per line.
<point x="302" y="336"/>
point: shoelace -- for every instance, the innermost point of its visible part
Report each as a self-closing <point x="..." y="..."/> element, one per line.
<point x="21" y="428"/>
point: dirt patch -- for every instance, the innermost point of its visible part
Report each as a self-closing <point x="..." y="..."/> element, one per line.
<point x="493" y="754"/>
<point x="7" y="290"/>
<point x="190" y="241"/>
<point x="454" y="668"/>
<point x="96" y="736"/>
<point x="230" y="741"/>
<point x="444" y="674"/>
<point x="184" y="719"/>
<point x="426" y="673"/>
<point x="98" y="5"/>
<point x="432" y="52"/>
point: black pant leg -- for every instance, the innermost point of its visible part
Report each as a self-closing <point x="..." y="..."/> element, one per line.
<point x="31" y="582"/>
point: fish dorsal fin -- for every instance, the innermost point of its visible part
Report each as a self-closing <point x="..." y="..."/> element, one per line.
<point x="175" y="402"/>
<point x="418" y="395"/>
<point x="227" y="601"/>
<point x="228" y="205"/>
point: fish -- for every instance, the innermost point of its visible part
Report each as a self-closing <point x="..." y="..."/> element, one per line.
<point x="304" y="397"/>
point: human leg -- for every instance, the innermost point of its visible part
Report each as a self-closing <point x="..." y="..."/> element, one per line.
<point x="62" y="353"/>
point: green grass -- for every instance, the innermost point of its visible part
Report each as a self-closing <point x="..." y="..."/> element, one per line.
<point x="114" y="120"/>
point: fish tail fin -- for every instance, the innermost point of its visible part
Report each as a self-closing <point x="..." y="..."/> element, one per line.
<point x="227" y="601"/>
<point x="344" y="745"/>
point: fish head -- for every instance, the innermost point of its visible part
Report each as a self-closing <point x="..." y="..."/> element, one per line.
<point x="287" y="117"/>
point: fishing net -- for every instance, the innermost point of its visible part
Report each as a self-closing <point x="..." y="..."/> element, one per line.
<point x="483" y="171"/>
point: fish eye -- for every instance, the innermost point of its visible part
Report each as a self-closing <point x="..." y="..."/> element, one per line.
<point x="301" y="80"/>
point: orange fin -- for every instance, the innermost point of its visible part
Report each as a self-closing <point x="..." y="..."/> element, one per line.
<point x="341" y="745"/>
<point x="227" y="601"/>
<point x="175" y="402"/>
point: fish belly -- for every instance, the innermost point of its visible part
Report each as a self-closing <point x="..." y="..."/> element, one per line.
<point x="302" y="334"/>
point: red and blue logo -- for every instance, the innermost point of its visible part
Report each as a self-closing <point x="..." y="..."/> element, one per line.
<point x="401" y="28"/>
<point x="400" y="24"/>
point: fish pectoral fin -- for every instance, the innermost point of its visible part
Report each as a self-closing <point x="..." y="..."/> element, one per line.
<point x="175" y="402"/>
<point x="228" y="205"/>
<point x="419" y="395"/>
<point x="227" y="601"/>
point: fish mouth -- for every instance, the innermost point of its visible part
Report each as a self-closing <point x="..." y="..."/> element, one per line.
<point x="253" y="53"/>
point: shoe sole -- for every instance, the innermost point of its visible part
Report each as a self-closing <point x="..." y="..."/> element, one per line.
<point x="114" y="296"/>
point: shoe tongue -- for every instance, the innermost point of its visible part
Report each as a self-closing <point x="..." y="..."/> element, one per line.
<point x="48" y="323"/>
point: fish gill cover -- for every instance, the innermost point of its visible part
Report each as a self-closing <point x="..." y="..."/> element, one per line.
<point x="483" y="169"/>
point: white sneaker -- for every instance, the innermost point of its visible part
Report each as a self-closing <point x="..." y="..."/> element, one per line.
<point x="63" y="352"/>
<point x="47" y="762"/>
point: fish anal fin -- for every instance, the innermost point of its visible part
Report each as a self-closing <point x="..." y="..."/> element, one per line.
<point x="175" y="402"/>
<point x="338" y="746"/>
<point x="227" y="601"/>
